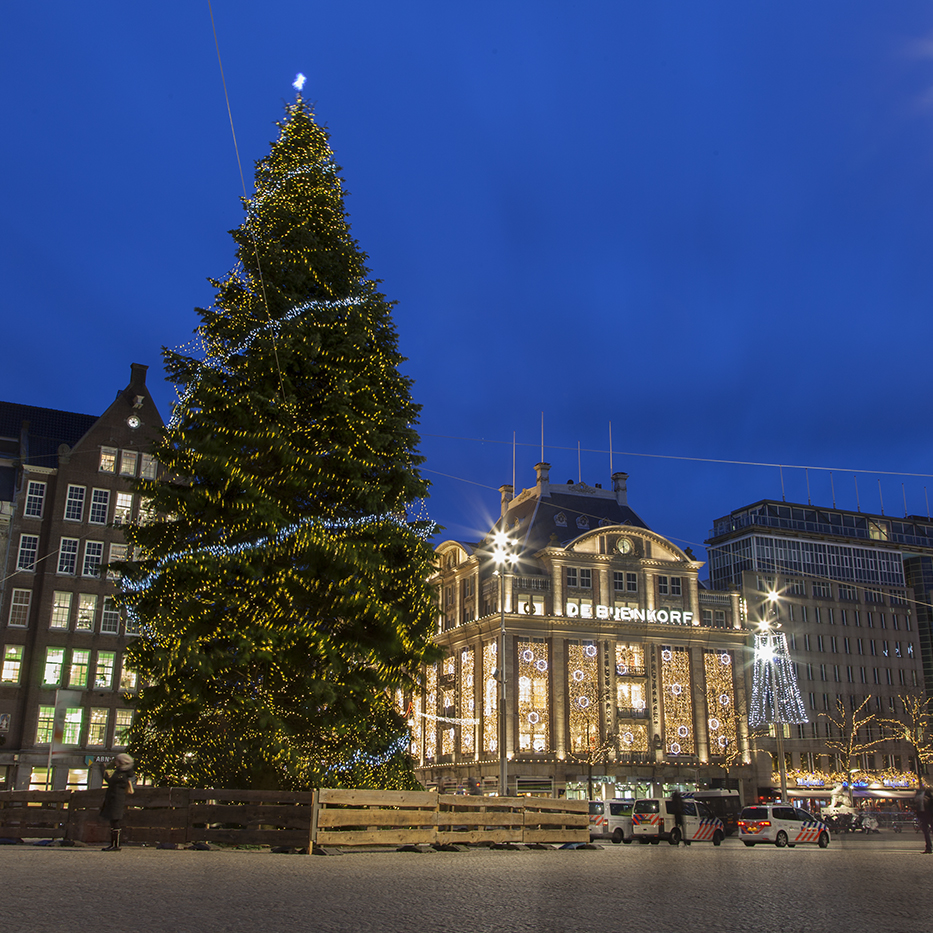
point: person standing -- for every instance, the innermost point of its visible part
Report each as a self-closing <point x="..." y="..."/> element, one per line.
<point x="925" y="815"/>
<point x="677" y="808"/>
<point x="119" y="783"/>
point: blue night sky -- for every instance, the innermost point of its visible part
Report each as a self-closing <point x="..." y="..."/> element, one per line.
<point x="708" y="224"/>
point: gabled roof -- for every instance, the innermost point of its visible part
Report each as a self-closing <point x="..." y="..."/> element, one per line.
<point x="48" y="430"/>
<point x="561" y="517"/>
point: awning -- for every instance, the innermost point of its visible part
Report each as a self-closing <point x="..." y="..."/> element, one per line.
<point x="882" y="793"/>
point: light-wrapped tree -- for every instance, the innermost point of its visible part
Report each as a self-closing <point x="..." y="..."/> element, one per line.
<point x="280" y="585"/>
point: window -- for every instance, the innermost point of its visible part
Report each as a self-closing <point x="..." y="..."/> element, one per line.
<point x="124" y="719"/>
<point x="676" y="589"/>
<point x="809" y="671"/>
<point x="147" y="466"/>
<point x="100" y="503"/>
<point x="873" y="648"/>
<point x="819" y="643"/>
<point x="103" y="677"/>
<point x="818" y="615"/>
<point x="108" y="459"/>
<point x="571" y="576"/>
<point x="844" y="616"/>
<point x="127" y="678"/>
<point x="28" y="551"/>
<point x="123" y="510"/>
<point x="631" y="582"/>
<point x="128" y="462"/>
<point x="80" y="666"/>
<point x="71" y="734"/>
<point x="87" y="609"/>
<point x="663" y="586"/>
<point x="618" y="581"/>
<point x="846" y="646"/>
<point x="832" y="644"/>
<point x="45" y="725"/>
<point x="97" y="726"/>
<point x="797" y="588"/>
<point x="12" y="664"/>
<point x="109" y="617"/>
<point x="68" y="555"/>
<point x="850" y="676"/>
<point x="54" y="662"/>
<point x="74" y="504"/>
<point x="132" y="624"/>
<point x="19" y="608"/>
<point x="147" y="512"/>
<point x="93" y="554"/>
<point x="847" y="592"/>
<point x="821" y="590"/>
<point x="586" y="578"/>
<point x="832" y="616"/>
<point x="720" y="618"/>
<point x="707" y="615"/>
<point x="863" y="675"/>
<point x="35" y="500"/>
<point x="77" y="779"/>
<point x="61" y="609"/>
<point x="822" y="672"/>
<point x="882" y="621"/>
<point x="119" y="552"/>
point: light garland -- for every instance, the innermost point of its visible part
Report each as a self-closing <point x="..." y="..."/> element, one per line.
<point x="771" y="655"/>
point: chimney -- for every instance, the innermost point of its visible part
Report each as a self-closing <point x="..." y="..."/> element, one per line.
<point x="506" y="493"/>
<point x="543" y="472"/>
<point x="618" y="487"/>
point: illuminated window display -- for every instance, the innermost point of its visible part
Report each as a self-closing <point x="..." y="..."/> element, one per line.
<point x="678" y="701"/>
<point x="533" y="701"/>
<point x="467" y="703"/>
<point x="490" y="699"/>
<point x="583" y="683"/>
<point x="720" y="701"/>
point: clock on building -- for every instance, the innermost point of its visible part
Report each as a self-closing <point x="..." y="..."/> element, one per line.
<point x="625" y="546"/>
<point x="133" y="421"/>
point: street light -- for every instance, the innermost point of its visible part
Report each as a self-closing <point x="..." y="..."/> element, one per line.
<point x="502" y="557"/>
<point x="771" y="656"/>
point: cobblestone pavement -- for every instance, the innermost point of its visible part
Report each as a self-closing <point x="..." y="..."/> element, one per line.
<point x="857" y="884"/>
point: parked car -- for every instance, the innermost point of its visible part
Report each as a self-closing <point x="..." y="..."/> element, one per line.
<point x="781" y="825"/>
<point x="653" y="820"/>
<point x="724" y="803"/>
<point x="611" y="819"/>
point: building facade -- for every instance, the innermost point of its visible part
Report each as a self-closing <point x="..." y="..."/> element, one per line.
<point x="622" y="674"/>
<point x="65" y="500"/>
<point x="843" y="587"/>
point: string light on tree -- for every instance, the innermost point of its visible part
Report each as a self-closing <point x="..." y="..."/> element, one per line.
<point x="281" y="594"/>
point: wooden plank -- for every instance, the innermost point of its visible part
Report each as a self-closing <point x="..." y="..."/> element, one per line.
<point x="378" y="838"/>
<point x="482" y="836"/>
<point x="378" y="798"/>
<point x="248" y="813"/>
<point x="252" y="796"/>
<point x="556" y="836"/>
<point x="480" y="819"/>
<point x="563" y="806"/>
<point x="375" y="818"/>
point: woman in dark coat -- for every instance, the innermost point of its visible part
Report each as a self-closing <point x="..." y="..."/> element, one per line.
<point x="118" y="784"/>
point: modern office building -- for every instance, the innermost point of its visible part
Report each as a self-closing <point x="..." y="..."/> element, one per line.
<point x="65" y="499"/>
<point x="622" y="674"/>
<point x="843" y="586"/>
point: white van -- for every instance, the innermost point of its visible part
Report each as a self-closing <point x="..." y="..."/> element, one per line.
<point x="611" y="819"/>
<point x="653" y="820"/>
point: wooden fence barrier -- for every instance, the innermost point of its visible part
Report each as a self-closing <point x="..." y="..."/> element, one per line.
<point x="301" y="820"/>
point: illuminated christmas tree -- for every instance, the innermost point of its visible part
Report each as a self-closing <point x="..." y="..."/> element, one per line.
<point x="285" y="592"/>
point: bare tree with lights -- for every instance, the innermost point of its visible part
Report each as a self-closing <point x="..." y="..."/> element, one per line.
<point x="284" y="594"/>
<point x="852" y="732"/>
<point x="915" y="729"/>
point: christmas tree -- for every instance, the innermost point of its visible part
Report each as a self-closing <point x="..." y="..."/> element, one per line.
<point x="280" y="585"/>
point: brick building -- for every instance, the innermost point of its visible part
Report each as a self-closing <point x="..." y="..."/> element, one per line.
<point x="63" y="501"/>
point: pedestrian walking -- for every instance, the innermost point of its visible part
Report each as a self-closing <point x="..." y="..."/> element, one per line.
<point x="119" y="783"/>
<point x="924" y="806"/>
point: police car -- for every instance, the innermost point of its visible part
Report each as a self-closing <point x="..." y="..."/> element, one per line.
<point x="611" y="819"/>
<point x="653" y="820"/>
<point x="781" y="825"/>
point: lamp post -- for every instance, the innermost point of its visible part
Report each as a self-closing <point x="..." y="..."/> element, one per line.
<point x="502" y="557"/>
<point x="767" y="626"/>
